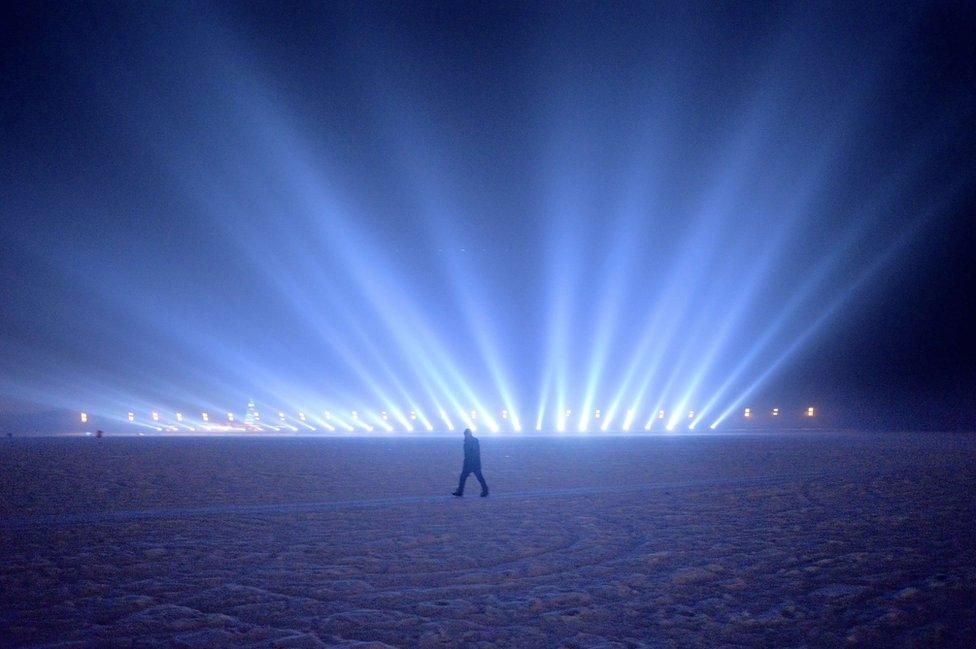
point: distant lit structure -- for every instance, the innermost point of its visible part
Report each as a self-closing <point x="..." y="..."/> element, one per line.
<point x="251" y="416"/>
<point x="610" y="420"/>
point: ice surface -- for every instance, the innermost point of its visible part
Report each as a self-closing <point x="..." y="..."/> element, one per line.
<point x="745" y="540"/>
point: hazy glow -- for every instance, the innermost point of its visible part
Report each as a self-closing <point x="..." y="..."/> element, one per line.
<point x="393" y="250"/>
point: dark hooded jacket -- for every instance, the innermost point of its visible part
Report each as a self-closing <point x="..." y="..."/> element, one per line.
<point x="472" y="453"/>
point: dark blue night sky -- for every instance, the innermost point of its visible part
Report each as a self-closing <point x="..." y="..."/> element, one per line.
<point x="482" y="207"/>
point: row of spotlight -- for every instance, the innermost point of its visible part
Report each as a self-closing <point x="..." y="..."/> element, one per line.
<point x="356" y="421"/>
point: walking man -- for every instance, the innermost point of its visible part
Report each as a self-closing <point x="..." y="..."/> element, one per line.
<point x="472" y="464"/>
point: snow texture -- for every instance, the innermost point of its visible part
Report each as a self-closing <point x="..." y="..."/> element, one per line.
<point x="804" y="540"/>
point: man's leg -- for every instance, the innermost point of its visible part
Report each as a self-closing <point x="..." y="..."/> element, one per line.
<point x="464" y="477"/>
<point x="481" y="479"/>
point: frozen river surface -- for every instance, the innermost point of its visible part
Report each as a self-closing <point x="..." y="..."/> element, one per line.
<point x="800" y="540"/>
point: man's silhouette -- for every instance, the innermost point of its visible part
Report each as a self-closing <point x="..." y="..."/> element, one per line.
<point x="472" y="464"/>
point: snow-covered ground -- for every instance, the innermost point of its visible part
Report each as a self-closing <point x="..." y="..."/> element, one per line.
<point x="733" y="540"/>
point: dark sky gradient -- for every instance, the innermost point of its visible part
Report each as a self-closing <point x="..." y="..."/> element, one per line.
<point x="214" y="201"/>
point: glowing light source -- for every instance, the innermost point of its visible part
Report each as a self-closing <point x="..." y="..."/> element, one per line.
<point x="660" y="414"/>
<point x="629" y="419"/>
<point x="155" y="416"/>
<point x="810" y="411"/>
<point x="447" y="420"/>
<point x="504" y="414"/>
<point x="301" y="416"/>
<point x="597" y="413"/>
<point x="179" y="416"/>
<point x="691" y="414"/>
<point x="775" y="412"/>
<point x="132" y="416"/>
<point x="205" y="416"/>
<point x="747" y="413"/>
<point x="84" y="417"/>
<point x="230" y="416"/>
